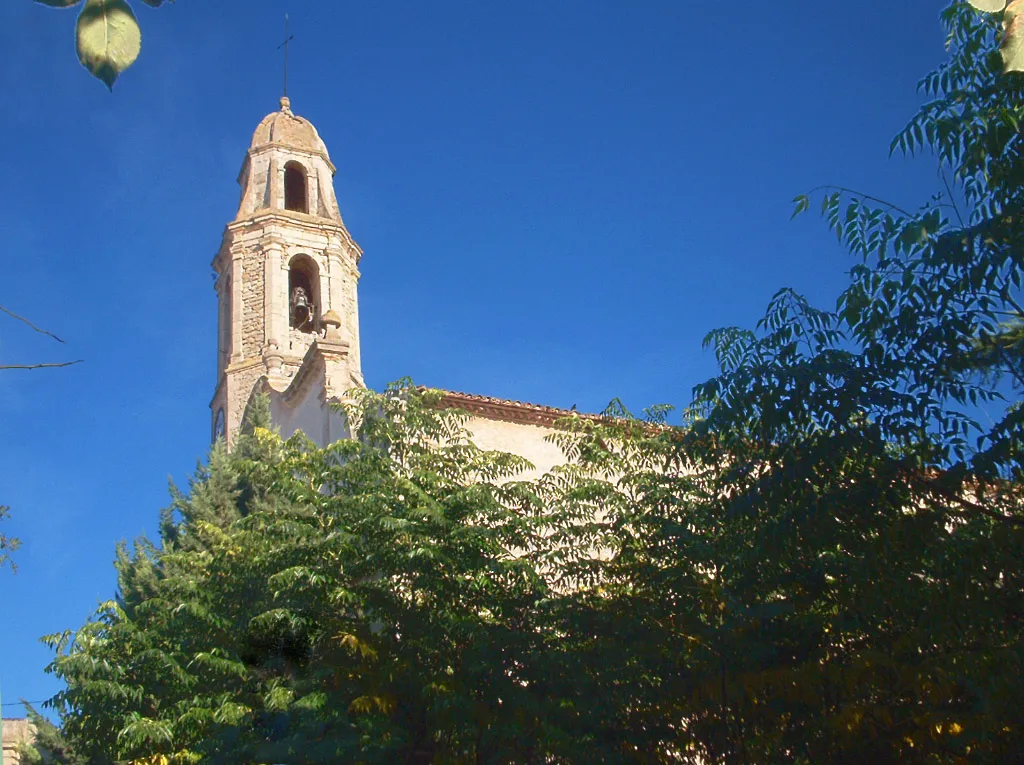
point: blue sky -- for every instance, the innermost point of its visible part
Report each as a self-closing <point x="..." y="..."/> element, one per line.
<point x="556" y="200"/>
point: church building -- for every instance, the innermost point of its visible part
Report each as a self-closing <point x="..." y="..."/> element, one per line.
<point x="287" y="282"/>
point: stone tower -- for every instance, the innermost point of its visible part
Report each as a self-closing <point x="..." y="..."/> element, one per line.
<point x="286" y="275"/>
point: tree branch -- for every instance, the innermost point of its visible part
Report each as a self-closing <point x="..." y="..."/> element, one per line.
<point x="949" y="193"/>
<point x="40" y="366"/>
<point x="37" y="329"/>
<point x="862" y="195"/>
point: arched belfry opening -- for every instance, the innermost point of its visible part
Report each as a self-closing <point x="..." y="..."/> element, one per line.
<point x="295" y="188"/>
<point x="303" y="294"/>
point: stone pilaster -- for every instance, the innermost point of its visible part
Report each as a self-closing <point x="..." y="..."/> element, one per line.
<point x="236" y="306"/>
<point x="274" y="294"/>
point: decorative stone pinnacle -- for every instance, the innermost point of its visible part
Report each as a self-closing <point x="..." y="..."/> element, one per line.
<point x="332" y="323"/>
<point x="286" y="105"/>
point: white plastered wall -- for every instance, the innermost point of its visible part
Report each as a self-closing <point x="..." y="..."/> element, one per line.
<point x="308" y="412"/>
<point x="525" y="440"/>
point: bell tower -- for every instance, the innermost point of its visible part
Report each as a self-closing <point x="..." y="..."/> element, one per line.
<point x="286" y="272"/>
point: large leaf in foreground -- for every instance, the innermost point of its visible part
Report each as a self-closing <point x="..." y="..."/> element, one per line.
<point x="108" y="38"/>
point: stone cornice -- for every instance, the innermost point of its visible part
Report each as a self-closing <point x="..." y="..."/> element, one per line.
<point x="311" y="223"/>
<point x="238" y="367"/>
<point x="266" y="148"/>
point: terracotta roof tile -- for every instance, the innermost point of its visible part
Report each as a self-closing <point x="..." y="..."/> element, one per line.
<point x="505" y="410"/>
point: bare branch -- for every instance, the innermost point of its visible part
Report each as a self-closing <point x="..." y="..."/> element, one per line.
<point x="40" y="366"/>
<point x="37" y="329"/>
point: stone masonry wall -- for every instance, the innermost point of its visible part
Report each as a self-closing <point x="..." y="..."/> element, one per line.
<point x="240" y="385"/>
<point x="252" y="305"/>
<point x="346" y="304"/>
<point x="15" y="732"/>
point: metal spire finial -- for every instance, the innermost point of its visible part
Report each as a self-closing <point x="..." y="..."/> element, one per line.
<point x="288" y="37"/>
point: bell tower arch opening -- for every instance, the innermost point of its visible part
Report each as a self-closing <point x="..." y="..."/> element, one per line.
<point x="296" y="192"/>
<point x="304" y="294"/>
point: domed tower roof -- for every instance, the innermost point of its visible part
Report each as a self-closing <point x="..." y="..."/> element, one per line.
<point x="283" y="128"/>
<point x="287" y="167"/>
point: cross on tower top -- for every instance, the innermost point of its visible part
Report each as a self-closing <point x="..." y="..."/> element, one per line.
<point x="288" y="37"/>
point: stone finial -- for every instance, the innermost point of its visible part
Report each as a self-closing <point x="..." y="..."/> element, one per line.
<point x="332" y="322"/>
<point x="286" y="105"/>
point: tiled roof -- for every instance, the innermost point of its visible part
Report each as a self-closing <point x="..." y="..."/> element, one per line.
<point x="505" y="410"/>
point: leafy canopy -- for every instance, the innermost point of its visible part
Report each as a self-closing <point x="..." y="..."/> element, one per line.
<point x="354" y="603"/>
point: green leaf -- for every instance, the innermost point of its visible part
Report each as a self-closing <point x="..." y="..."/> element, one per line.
<point x="108" y="38"/>
<point x="59" y="3"/>
<point x="801" y="203"/>
<point x="231" y="713"/>
<point x="278" y="699"/>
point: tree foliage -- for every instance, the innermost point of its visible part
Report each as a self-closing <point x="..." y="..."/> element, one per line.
<point x="354" y="603"/>
<point x="825" y="563"/>
<point x="8" y="544"/>
<point x="49" y="746"/>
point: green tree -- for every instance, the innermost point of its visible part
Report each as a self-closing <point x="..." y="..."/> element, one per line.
<point x="356" y="603"/>
<point x="828" y="565"/>
<point x="49" y="746"/>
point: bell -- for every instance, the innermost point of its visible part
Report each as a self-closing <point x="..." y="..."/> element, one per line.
<point x="300" y="307"/>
